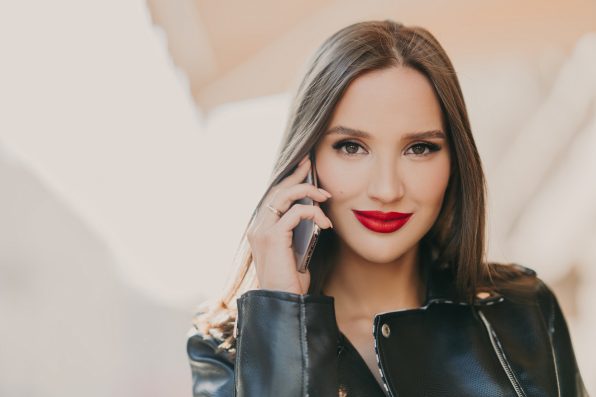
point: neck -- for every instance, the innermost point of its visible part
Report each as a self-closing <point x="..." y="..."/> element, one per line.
<point x="362" y="288"/>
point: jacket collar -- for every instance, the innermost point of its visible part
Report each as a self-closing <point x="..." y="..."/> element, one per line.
<point x="441" y="288"/>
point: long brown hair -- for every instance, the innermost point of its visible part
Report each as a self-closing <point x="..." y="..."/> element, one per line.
<point x="456" y="240"/>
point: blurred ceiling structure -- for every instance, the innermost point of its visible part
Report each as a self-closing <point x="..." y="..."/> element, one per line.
<point x="231" y="51"/>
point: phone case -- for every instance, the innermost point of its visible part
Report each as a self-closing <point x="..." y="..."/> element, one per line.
<point x="306" y="233"/>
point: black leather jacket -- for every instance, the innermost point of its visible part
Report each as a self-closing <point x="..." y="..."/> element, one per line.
<point x="290" y="345"/>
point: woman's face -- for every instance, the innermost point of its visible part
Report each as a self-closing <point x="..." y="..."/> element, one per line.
<point x="388" y="169"/>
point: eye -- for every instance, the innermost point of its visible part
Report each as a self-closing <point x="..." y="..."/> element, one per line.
<point x="420" y="148"/>
<point x="351" y="147"/>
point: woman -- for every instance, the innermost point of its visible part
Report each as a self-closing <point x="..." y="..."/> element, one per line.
<point x="401" y="251"/>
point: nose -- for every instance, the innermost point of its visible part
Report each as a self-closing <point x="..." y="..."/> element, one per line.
<point x="385" y="185"/>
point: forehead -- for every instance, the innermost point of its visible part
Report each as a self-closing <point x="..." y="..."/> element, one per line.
<point x="392" y="101"/>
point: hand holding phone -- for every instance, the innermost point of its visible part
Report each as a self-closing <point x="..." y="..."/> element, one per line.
<point x="280" y="253"/>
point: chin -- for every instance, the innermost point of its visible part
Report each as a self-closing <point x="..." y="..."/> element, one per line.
<point x="376" y="250"/>
<point x="385" y="254"/>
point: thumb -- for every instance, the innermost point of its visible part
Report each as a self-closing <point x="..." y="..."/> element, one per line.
<point x="304" y="280"/>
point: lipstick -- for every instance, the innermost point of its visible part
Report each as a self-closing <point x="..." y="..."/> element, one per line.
<point x="382" y="222"/>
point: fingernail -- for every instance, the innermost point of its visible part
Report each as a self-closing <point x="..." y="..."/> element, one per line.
<point x="325" y="192"/>
<point x="331" y="224"/>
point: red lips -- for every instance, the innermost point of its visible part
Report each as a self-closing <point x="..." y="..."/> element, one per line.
<point x="382" y="222"/>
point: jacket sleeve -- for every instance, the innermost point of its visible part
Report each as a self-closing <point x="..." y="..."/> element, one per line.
<point x="212" y="369"/>
<point x="568" y="374"/>
<point x="286" y="346"/>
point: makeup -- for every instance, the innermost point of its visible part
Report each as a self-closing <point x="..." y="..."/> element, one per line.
<point x="382" y="222"/>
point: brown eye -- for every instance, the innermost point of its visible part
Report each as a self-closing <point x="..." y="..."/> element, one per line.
<point x="351" y="147"/>
<point x="419" y="149"/>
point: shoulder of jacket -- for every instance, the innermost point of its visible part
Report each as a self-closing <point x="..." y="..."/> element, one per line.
<point x="200" y="347"/>
<point x="515" y="269"/>
<point x="517" y="282"/>
<point x="511" y="272"/>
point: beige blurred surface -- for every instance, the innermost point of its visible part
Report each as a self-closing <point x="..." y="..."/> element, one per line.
<point x="135" y="139"/>
<point x="231" y="50"/>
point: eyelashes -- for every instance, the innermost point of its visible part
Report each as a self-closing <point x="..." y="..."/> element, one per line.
<point x="420" y="148"/>
<point x="342" y="144"/>
<point x="432" y="147"/>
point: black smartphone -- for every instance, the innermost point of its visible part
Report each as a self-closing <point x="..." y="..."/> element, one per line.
<point x="306" y="233"/>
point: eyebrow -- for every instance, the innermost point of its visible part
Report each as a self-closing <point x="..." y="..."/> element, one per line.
<point x="363" y="134"/>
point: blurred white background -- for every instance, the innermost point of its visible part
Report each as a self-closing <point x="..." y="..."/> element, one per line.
<point x="136" y="138"/>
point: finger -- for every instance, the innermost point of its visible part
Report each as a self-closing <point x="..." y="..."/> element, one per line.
<point x="297" y="176"/>
<point x="304" y="280"/>
<point x="284" y="199"/>
<point x="303" y="160"/>
<point x="300" y="211"/>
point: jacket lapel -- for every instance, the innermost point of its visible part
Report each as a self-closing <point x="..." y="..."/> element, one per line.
<point x="448" y="344"/>
<point x="441" y="288"/>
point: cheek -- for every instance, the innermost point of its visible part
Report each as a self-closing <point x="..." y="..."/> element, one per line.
<point x="428" y="184"/>
<point x="338" y="179"/>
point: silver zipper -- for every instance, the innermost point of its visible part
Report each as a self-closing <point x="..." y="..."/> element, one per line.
<point x="501" y="355"/>
<point x="379" y="363"/>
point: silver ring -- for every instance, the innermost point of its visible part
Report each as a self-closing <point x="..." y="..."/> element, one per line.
<point x="275" y="210"/>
